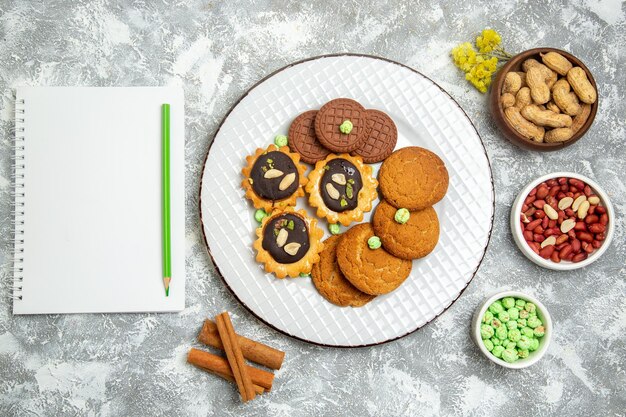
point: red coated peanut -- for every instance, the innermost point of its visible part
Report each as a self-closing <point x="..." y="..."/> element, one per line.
<point x="554" y="191"/>
<point x="555" y="257"/>
<point x="546" y="252"/>
<point x="562" y="180"/>
<point x="529" y="199"/>
<point x="540" y="214"/>
<point x="562" y="239"/>
<point x="587" y="190"/>
<point x="542" y="192"/>
<point x="533" y="191"/>
<point x="584" y="236"/>
<point x="575" y="245"/>
<point x="596" y="244"/>
<point x="604" y="219"/>
<point x="533" y="224"/>
<point x="580" y="257"/>
<point x="545" y="222"/>
<point x="580" y="226"/>
<point x="551" y="183"/>
<point x="538" y="238"/>
<point x="597" y="228"/>
<point x="601" y="209"/>
<point x="591" y="219"/>
<point x="535" y="247"/>
<point x="528" y="235"/>
<point x="600" y="236"/>
<point x="567" y="249"/>
<point x="539" y="203"/>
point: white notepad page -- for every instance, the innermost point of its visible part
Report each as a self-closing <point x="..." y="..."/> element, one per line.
<point x="92" y="200"/>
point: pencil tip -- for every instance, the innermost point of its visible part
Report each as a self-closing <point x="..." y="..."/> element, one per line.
<point x="167" y="292"/>
<point x="166" y="283"/>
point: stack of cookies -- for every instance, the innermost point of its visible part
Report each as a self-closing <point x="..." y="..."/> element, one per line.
<point x="341" y="139"/>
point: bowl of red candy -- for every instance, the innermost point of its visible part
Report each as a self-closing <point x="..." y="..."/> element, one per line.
<point x="562" y="221"/>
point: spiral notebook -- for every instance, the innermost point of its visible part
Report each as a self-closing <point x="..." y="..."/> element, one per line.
<point x="88" y="235"/>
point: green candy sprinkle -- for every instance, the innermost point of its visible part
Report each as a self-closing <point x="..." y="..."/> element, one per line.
<point x="343" y="202"/>
<point x="528" y="332"/>
<point x="402" y="215"/>
<point x="513" y="313"/>
<point x="503" y="316"/>
<point x="334" y="228"/>
<point x="522" y="353"/>
<point x="509" y="355"/>
<point x="281" y="140"/>
<point x="524" y="342"/>
<point x="497" y="351"/>
<point x="533" y="321"/>
<point x="486" y="331"/>
<point x="304" y="275"/>
<point x="373" y="242"/>
<point x="487" y="317"/>
<point x="534" y="345"/>
<point x="291" y="225"/>
<point x="346" y="127"/>
<point x="488" y="344"/>
<point x="521" y="322"/>
<point x="514" y="335"/>
<point x="495" y="323"/>
<point x="520" y="303"/>
<point x="540" y="331"/>
<point x="496" y="307"/>
<point x="496" y="341"/>
<point x="259" y="215"/>
<point x="523" y="314"/>
<point x="508" y="302"/>
<point x="501" y="333"/>
<point x="512" y="324"/>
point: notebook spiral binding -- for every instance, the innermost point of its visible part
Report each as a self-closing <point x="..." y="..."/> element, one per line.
<point x="18" y="194"/>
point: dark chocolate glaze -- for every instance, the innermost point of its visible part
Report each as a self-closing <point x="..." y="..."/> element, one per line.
<point x="299" y="234"/>
<point x="341" y="166"/>
<point x="267" y="188"/>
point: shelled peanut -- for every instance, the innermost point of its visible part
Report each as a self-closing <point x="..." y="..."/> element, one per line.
<point x="562" y="219"/>
<point x="549" y="101"/>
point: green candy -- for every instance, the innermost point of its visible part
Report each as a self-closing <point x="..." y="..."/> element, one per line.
<point x="259" y="215"/>
<point x="501" y="332"/>
<point x="540" y="331"/>
<point x="346" y="127"/>
<point x="524" y="342"/>
<point x="514" y="335"/>
<point x="281" y="140"/>
<point x="508" y="302"/>
<point x="521" y="322"/>
<point x="522" y="353"/>
<point x="486" y="331"/>
<point x="487" y="317"/>
<point x="503" y="316"/>
<point x="496" y="307"/>
<point x="513" y="313"/>
<point x="511" y="324"/>
<point x="495" y="323"/>
<point x="496" y="341"/>
<point x="533" y="322"/>
<point x="334" y="228"/>
<point x="530" y="307"/>
<point x="510" y="345"/>
<point x="534" y="345"/>
<point x="488" y="344"/>
<point x="373" y="242"/>
<point x="520" y="303"/>
<point x="497" y="351"/>
<point x="528" y="332"/>
<point x="402" y="216"/>
<point x="509" y="355"/>
<point x="303" y="275"/>
<point x="523" y="314"/>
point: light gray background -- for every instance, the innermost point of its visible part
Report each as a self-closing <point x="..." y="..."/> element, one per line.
<point x="133" y="365"/>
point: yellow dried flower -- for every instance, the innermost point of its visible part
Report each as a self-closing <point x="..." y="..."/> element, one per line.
<point x="488" y="40"/>
<point x="480" y="74"/>
<point x="464" y="56"/>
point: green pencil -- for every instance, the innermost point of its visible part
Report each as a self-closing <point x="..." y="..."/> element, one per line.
<point x="167" y="238"/>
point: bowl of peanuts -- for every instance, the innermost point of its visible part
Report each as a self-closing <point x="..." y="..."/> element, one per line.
<point x="562" y="221"/>
<point x="544" y="99"/>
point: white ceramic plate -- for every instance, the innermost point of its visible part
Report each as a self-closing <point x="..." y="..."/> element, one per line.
<point x="426" y="116"/>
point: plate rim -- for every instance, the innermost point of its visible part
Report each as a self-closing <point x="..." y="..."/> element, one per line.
<point x="245" y="94"/>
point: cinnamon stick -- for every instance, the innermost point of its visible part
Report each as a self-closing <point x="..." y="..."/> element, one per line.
<point x="219" y="365"/>
<point x="257" y="389"/>
<point x="254" y="351"/>
<point x="235" y="357"/>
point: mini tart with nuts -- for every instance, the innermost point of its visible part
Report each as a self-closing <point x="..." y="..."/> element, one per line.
<point x="274" y="178"/>
<point x="288" y="243"/>
<point x="342" y="188"/>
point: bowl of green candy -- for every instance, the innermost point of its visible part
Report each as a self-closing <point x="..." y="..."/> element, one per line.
<point x="512" y="329"/>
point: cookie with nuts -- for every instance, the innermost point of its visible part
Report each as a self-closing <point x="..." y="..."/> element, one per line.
<point x="273" y="178"/>
<point x="341" y="188"/>
<point x="330" y="281"/>
<point x="406" y="234"/>
<point x="288" y="243"/>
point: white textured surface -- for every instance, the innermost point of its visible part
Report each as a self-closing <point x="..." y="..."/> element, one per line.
<point x="426" y="117"/>
<point x="129" y="365"/>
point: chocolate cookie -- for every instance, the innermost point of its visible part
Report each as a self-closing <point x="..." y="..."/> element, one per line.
<point x="373" y="271"/>
<point x="302" y="138"/>
<point x="412" y="240"/>
<point x="332" y="115"/>
<point x="413" y="178"/>
<point x="381" y="137"/>
<point x="331" y="283"/>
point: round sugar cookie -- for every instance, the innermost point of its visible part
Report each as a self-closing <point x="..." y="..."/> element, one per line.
<point x="413" y="178"/>
<point x="373" y="271"/>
